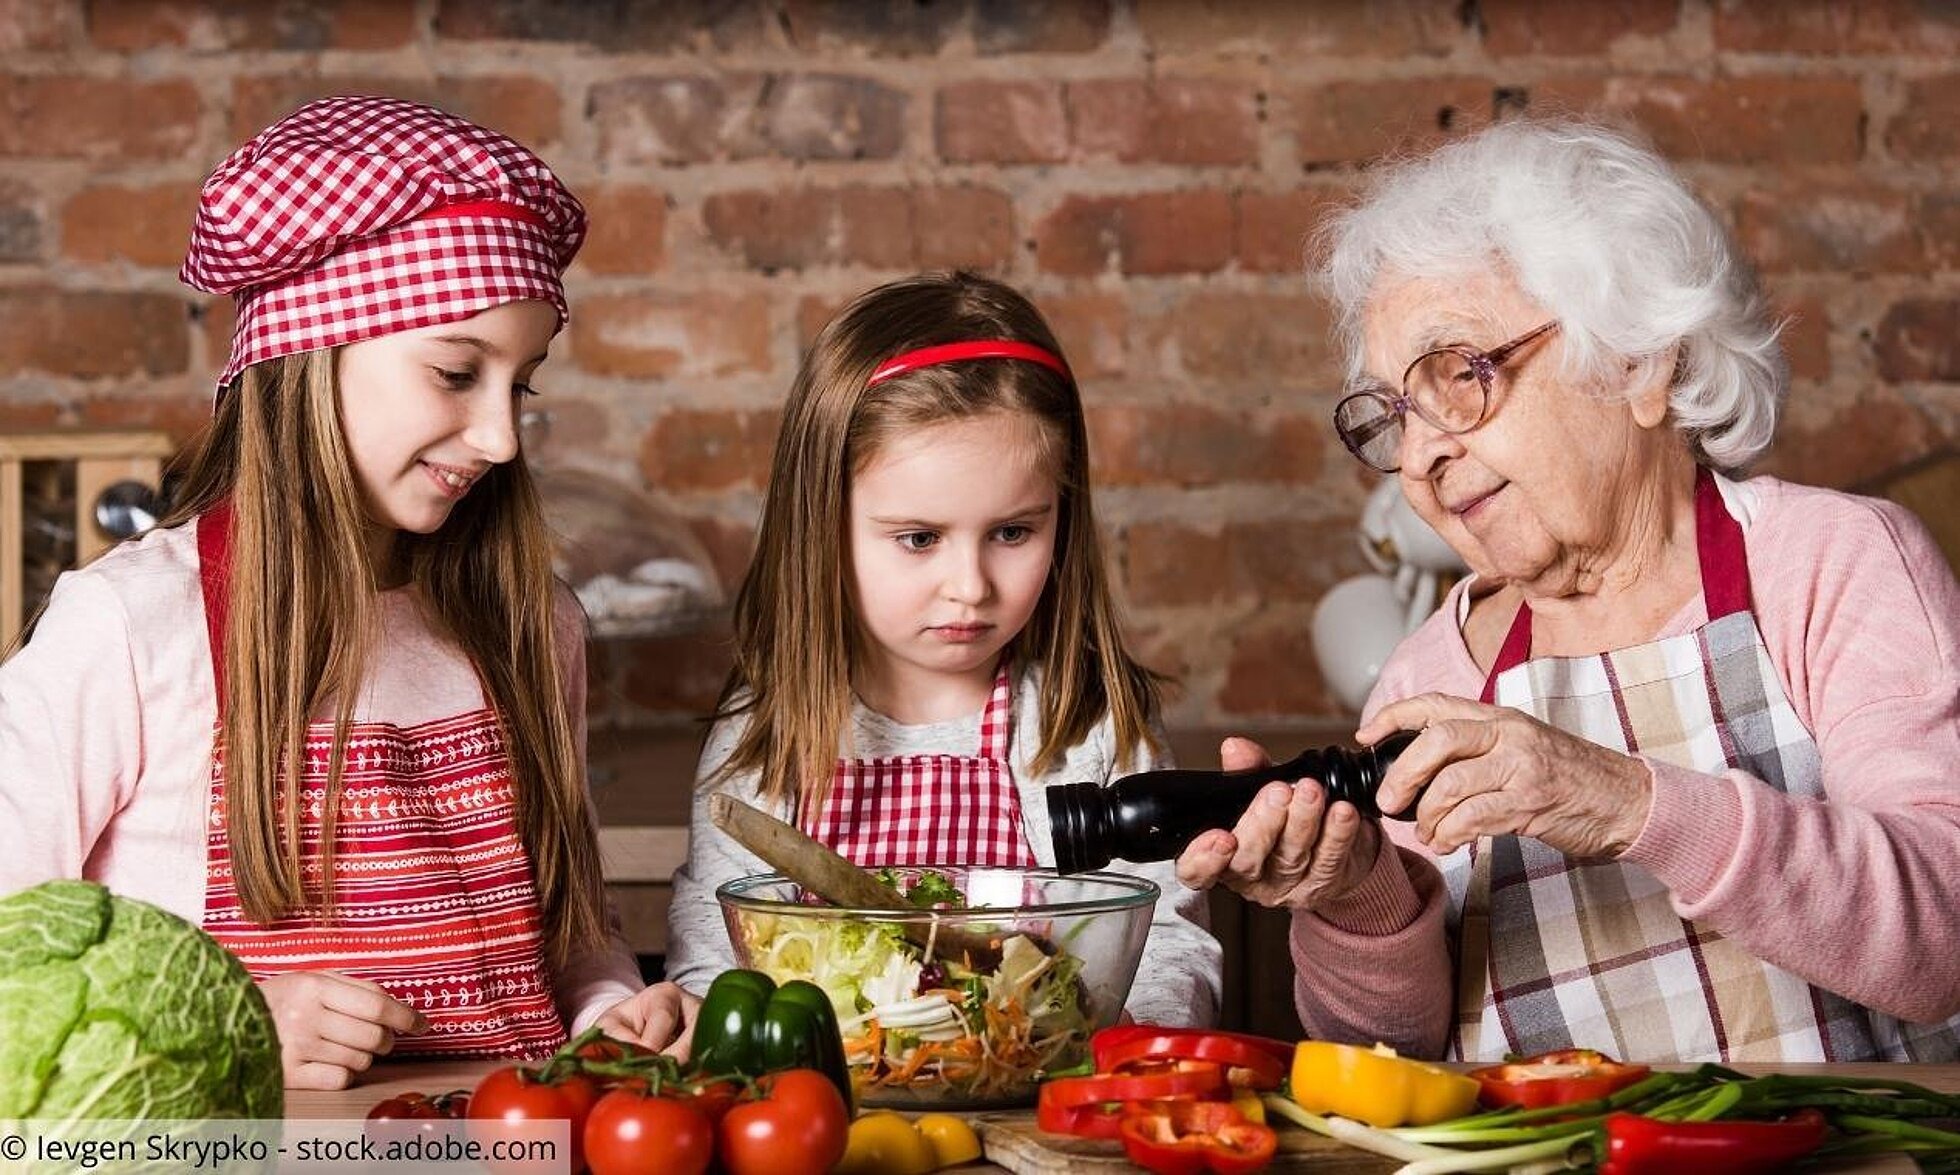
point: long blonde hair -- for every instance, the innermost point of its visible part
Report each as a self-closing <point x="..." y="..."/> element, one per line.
<point x="796" y="632"/>
<point x="303" y="614"/>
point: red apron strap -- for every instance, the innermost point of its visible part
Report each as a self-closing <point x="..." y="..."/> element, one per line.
<point x="997" y="720"/>
<point x="1718" y="541"/>
<point x="1724" y="576"/>
<point x="214" y="577"/>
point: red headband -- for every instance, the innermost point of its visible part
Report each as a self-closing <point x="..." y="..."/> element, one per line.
<point x="976" y="349"/>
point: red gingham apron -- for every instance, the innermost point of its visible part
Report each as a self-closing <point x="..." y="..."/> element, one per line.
<point x="433" y="896"/>
<point x="1558" y="954"/>
<point x="931" y="809"/>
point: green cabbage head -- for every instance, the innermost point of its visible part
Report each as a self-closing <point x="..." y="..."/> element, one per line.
<point x="113" y="1009"/>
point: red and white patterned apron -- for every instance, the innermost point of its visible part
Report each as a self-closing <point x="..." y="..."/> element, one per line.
<point x="928" y="810"/>
<point x="1556" y="953"/>
<point x="433" y="893"/>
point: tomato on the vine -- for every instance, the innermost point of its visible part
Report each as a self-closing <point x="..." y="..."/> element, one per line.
<point x="798" y="1126"/>
<point x="516" y="1095"/>
<point x="630" y="1133"/>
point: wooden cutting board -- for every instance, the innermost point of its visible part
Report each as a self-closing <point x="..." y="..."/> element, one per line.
<point x="1012" y="1141"/>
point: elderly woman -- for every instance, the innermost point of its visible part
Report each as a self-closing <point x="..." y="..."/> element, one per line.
<point x="1688" y="779"/>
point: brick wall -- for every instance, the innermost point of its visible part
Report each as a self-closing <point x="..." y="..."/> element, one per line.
<point x="1146" y="168"/>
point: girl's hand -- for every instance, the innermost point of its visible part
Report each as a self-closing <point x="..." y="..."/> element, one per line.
<point x="1492" y="770"/>
<point x="660" y="1017"/>
<point x="1288" y="849"/>
<point x="332" y="1026"/>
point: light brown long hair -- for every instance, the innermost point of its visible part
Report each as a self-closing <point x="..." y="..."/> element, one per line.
<point x="797" y="637"/>
<point x="303" y="615"/>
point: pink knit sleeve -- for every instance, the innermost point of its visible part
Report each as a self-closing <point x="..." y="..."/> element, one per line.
<point x="1856" y="893"/>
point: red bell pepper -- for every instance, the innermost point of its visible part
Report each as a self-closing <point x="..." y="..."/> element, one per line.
<point x="1637" y="1145"/>
<point x="1187" y="1138"/>
<point x="1092" y="1107"/>
<point x="1254" y="1062"/>
<point x="1554" y="1079"/>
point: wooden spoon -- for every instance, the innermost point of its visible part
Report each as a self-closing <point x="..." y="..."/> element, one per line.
<point x="832" y="877"/>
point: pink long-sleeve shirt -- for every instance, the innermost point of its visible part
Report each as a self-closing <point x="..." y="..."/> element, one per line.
<point x="1859" y="894"/>
<point x="105" y="736"/>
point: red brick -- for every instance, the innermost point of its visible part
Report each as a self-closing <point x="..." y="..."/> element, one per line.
<point x="1167" y="564"/>
<point x="1263" y="561"/>
<point x="1806" y="336"/>
<point x="776" y="228"/>
<point x="677" y="674"/>
<point x="1197" y="445"/>
<point x="832" y="116"/>
<point x="146" y="226"/>
<point x="207" y="26"/>
<point x="561" y="424"/>
<point x="1846" y="436"/>
<point x="677" y="119"/>
<point x="671" y="26"/>
<point x="1928" y="127"/>
<point x="1191" y="121"/>
<point x="1149" y="233"/>
<point x="1290" y="31"/>
<point x="1348" y="122"/>
<point x="1274" y="227"/>
<point x="1783" y="120"/>
<point x="1893" y="27"/>
<point x="730" y="547"/>
<point x="525" y="108"/>
<point x="1273" y="672"/>
<point x="1093" y="330"/>
<point x="214" y="318"/>
<point x="1001" y="122"/>
<point x="1559" y="28"/>
<point x="628" y="229"/>
<point x="661" y="335"/>
<point x="709" y="449"/>
<point x="813" y="313"/>
<point x="181" y="416"/>
<point x="29" y="415"/>
<point x="963" y="227"/>
<point x="878" y="227"/>
<point x="37" y="24"/>
<point x="1939" y="225"/>
<point x="1831" y="226"/>
<point x="1268" y="340"/>
<point x="20" y="222"/>
<point x="88" y="333"/>
<point x="1919" y="339"/>
<point x="1040" y="26"/>
<point x="849" y="28"/>
<point x="70" y="117"/>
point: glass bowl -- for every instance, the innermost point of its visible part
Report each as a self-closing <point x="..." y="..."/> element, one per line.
<point x="1016" y="980"/>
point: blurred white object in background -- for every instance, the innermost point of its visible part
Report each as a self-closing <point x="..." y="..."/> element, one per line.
<point x="1358" y="623"/>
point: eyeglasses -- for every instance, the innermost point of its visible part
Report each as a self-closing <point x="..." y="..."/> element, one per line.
<point x="1448" y="387"/>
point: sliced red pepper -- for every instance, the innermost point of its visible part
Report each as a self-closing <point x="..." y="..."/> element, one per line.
<point x="1554" y="1079"/>
<point x="1188" y="1138"/>
<point x="1254" y="1062"/>
<point x="1637" y="1145"/>
<point x="1092" y="1107"/>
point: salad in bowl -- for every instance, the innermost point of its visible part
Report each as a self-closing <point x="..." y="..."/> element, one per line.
<point x="989" y="979"/>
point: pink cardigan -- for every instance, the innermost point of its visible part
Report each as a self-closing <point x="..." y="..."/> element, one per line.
<point x="1860" y="895"/>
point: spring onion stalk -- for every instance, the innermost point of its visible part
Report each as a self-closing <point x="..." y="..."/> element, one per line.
<point x="1570" y="1152"/>
<point x="1355" y="1134"/>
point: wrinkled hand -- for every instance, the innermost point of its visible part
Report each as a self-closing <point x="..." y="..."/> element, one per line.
<point x="1492" y="770"/>
<point x="659" y="1017"/>
<point x="1287" y="849"/>
<point x="332" y="1026"/>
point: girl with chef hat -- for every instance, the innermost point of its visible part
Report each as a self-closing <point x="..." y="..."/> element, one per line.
<point x="332" y="710"/>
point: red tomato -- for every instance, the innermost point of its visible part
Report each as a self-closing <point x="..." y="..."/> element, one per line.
<point x="514" y="1095"/>
<point x="799" y="1126"/>
<point x="715" y="1099"/>
<point x="629" y="1133"/>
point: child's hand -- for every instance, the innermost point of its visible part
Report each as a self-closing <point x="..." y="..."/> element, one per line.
<point x="332" y="1026"/>
<point x="660" y="1017"/>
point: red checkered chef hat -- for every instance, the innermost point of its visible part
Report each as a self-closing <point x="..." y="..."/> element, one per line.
<point x="357" y="217"/>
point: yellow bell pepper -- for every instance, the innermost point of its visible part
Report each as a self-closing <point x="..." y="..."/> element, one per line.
<point x="1376" y="1086"/>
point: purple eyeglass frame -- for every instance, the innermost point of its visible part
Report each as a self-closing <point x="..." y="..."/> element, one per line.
<point x="1483" y="364"/>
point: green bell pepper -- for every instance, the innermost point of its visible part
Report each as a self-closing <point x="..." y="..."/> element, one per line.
<point x="749" y="1026"/>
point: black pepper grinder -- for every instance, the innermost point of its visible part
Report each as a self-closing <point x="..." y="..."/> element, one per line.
<point x="1152" y="815"/>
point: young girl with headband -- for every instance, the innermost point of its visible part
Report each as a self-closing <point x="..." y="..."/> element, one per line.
<point x="926" y="638"/>
<point x="332" y="709"/>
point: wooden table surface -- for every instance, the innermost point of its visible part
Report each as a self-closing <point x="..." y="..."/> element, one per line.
<point x="437" y="1077"/>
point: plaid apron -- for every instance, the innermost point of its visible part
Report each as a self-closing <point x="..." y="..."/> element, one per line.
<point x="433" y="895"/>
<point x="1556" y="953"/>
<point x="930" y="809"/>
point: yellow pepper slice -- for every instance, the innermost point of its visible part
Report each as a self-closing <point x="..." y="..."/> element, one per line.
<point x="1376" y="1086"/>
